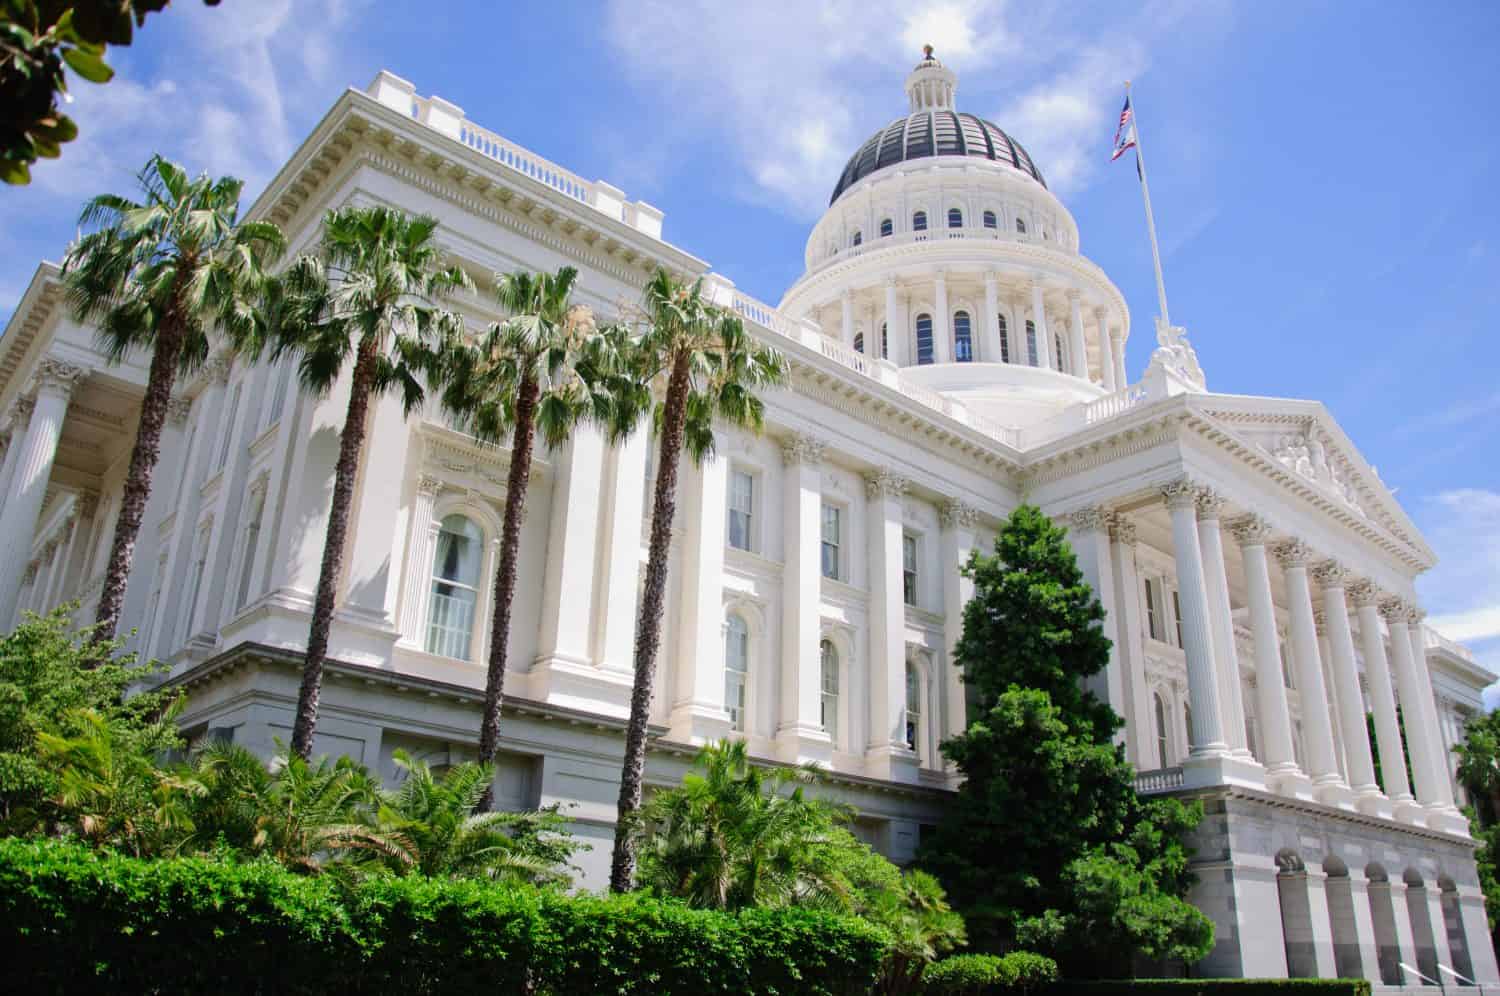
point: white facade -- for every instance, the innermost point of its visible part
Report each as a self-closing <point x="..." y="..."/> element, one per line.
<point x="1258" y="576"/>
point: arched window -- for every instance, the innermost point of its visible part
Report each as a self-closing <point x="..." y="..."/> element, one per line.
<point x="1187" y="724"/>
<point x="963" y="341"/>
<point x="455" y="587"/>
<point x="858" y="238"/>
<point x="919" y="221"/>
<point x="886" y="227"/>
<point x="736" y="670"/>
<point x="859" y="342"/>
<point x="1161" y="730"/>
<point x="990" y="221"/>
<point x="1020" y="226"/>
<point x="828" y="662"/>
<point x="1004" y="339"/>
<point x="924" y="339"/>
<point x="955" y="218"/>
<point x="913" y="706"/>
<point x="885" y="344"/>
<point x="1057" y="351"/>
<point x="1030" y="342"/>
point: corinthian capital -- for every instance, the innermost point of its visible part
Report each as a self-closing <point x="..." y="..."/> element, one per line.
<point x="885" y="484"/>
<point x="955" y="514"/>
<point x="1363" y="592"/>
<point x="1293" y="553"/>
<point x="177" y="410"/>
<point x="1088" y="520"/>
<point x="801" y="448"/>
<point x="1210" y="504"/>
<point x="59" y="375"/>
<point x="1250" y="530"/>
<point x="1181" y="492"/>
<point x="1394" y="610"/>
<point x="1331" y="574"/>
<point x="1122" y="529"/>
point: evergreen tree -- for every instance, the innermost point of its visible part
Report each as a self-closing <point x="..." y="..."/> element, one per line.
<point x="1047" y="846"/>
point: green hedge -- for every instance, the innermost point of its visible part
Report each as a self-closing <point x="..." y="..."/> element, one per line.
<point x="1212" y="987"/>
<point x="982" y="974"/>
<point x="82" y="920"/>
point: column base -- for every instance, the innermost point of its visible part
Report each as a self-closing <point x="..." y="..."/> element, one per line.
<point x="893" y="763"/>
<point x="1222" y="769"/>
<point x="1372" y="802"/>
<point x="1447" y="819"/>
<point x="1334" y="793"/>
<point x="1290" y="781"/>
<point x="801" y="744"/>
<point x="698" y="723"/>
<point x="578" y="684"/>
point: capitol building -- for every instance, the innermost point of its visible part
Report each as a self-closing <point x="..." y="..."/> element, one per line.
<point x="953" y="353"/>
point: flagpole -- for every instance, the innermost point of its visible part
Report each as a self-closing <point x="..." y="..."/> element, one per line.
<point x="1140" y="162"/>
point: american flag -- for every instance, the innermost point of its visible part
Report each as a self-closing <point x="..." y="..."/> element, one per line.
<point x="1125" y="133"/>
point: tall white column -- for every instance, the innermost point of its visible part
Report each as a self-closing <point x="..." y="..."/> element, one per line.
<point x="1088" y="534"/>
<point x="1117" y="355"/>
<point x="800" y="734"/>
<point x="1382" y="698"/>
<point x="991" y="334"/>
<point x="698" y="707"/>
<point x="942" y="322"/>
<point x="1106" y="354"/>
<point x="422" y="531"/>
<point x="887" y="755"/>
<point x="846" y="310"/>
<point x="20" y="417"/>
<point x="1140" y="737"/>
<point x="1317" y="733"/>
<point x="1442" y="785"/>
<point x="55" y="381"/>
<point x="1016" y="330"/>
<point x="1419" y="739"/>
<point x="622" y="547"/>
<point x="87" y="506"/>
<point x="1333" y="578"/>
<point x="895" y="320"/>
<point x="1221" y="614"/>
<point x="1076" y="345"/>
<point x="1208" y="741"/>
<point x="563" y="637"/>
<point x="1043" y="336"/>
<point x="1277" y="753"/>
<point x="958" y="521"/>
<point x="65" y="540"/>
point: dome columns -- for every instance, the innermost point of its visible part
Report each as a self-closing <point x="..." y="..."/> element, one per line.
<point x="1076" y="346"/>
<point x="1039" y="317"/>
<point x="942" y="321"/>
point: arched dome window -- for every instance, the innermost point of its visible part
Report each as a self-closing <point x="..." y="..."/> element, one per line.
<point x="924" y="339"/>
<point x="1030" y="343"/>
<point x="990" y="221"/>
<point x="736" y="670"/>
<point x="858" y="238"/>
<point x="885" y="343"/>
<point x="963" y="340"/>
<point x="1020" y="226"/>
<point x="1004" y="339"/>
<point x="955" y="218"/>
<point x="919" y="221"/>
<point x="828" y="664"/>
<point x="886" y="228"/>
<point x="1057" y="352"/>
<point x="455" y="587"/>
<point x="859" y="342"/>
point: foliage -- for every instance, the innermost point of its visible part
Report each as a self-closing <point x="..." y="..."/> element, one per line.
<point x="47" y="687"/>
<point x="1047" y="845"/>
<point x="90" y="920"/>
<point x="1211" y="987"/>
<point x="982" y="974"/>
<point x="38" y="39"/>
<point x="1479" y="774"/>
<point x="1375" y="754"/>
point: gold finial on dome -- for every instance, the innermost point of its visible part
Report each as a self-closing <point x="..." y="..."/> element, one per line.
<point x="927" y="52"/>
<point x="931" y="84"/>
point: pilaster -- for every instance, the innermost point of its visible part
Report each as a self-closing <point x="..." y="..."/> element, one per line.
<point x="887" y="755"/>
<point x="800" y="734"/>
<point x="698" y="714"/>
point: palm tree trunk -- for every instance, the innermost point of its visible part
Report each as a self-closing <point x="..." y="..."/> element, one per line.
<point x="648" y="623"/>
<point x="351" y="443"/>
<point x="519" y="479"/>
<point x="137" y="489"/>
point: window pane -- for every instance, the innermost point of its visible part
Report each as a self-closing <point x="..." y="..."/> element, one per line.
<point x="989" y="219"/>
<point x="919" y="221"/>
<point x="829" y="705"/>
<point x="955" y="218"/>
<point x="909" y="570"/>
<point x="924" y="339"/>
<point x="963" y="342"/>
<point x="455" y="578"/>
<point x="830" y="554"/>
<point x="1004" y="339"/>
<point x="1031" y="342"/>
<point x="913" y="706"/>
<point x="858" y="238"/>
<point x="736" y="666"/>
<point x="886" y="227"/>
<point x="741" y="502"/>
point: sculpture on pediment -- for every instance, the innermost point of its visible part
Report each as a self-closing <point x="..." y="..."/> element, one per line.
<point x="1295" y="454"/>
<point x="1176" y="355"/>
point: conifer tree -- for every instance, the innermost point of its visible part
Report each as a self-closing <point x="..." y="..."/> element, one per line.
<point x="1047" y="846"/>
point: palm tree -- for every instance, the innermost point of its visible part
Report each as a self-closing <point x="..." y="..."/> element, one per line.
<point x="441" y="833"/>
<point x="523" y="376"/>
<point x="311" y="813"/>
<point x="371" y="291"/>
<point x="712" y="370"/>
<point x="161" y="274"/>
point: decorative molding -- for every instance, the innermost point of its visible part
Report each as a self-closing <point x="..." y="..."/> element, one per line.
<point x="1364" y="592"/>
<point x="1393" y="609"/>
<point x="1332" y="574"/>
<point x="1320" y="622"/>
<point x="956" y="514"/>
<point x="1250" y="530"/>
<point x="20" y="413"/>
<point x="801" y="449"/>
<point x="885" y="483"/>
<point x="1088" y="520"/>
<point x="177" y="410"/>
<point x="1210" y="505"/>
<point x="217" y="368"/>
<point x="1292" y="554"/>
<point x="1414" y="615"/>
<point x="429" y="485"/>
<point x="59" y="375"/>
<point x="1180" y="492"/>
<point x="1122" y="529"/>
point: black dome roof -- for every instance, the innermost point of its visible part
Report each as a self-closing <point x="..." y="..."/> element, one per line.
<point x="934" y="133"/>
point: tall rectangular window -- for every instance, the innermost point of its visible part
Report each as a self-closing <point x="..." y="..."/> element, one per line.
<point x="252" y="540"/>
<point x="234" y="408"/>
<point x="831" y="532"/>
<point x="1177" y="615"/>
<point x="909" y="569"/>
<point x="741" y="508"/>
<point x="1031" y="343"/>
<point x="1153" y="625"/>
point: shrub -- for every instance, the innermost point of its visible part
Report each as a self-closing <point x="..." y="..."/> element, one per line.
<point x="982" y="974"/>
<point x="1212" y="987"/>
<point x="97" y="921"/>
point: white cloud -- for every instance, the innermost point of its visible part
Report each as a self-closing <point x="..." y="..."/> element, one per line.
<point x="1463" y="592"/>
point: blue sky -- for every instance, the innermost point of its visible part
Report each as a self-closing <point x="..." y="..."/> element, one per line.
<point x="1325" y="175"/>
